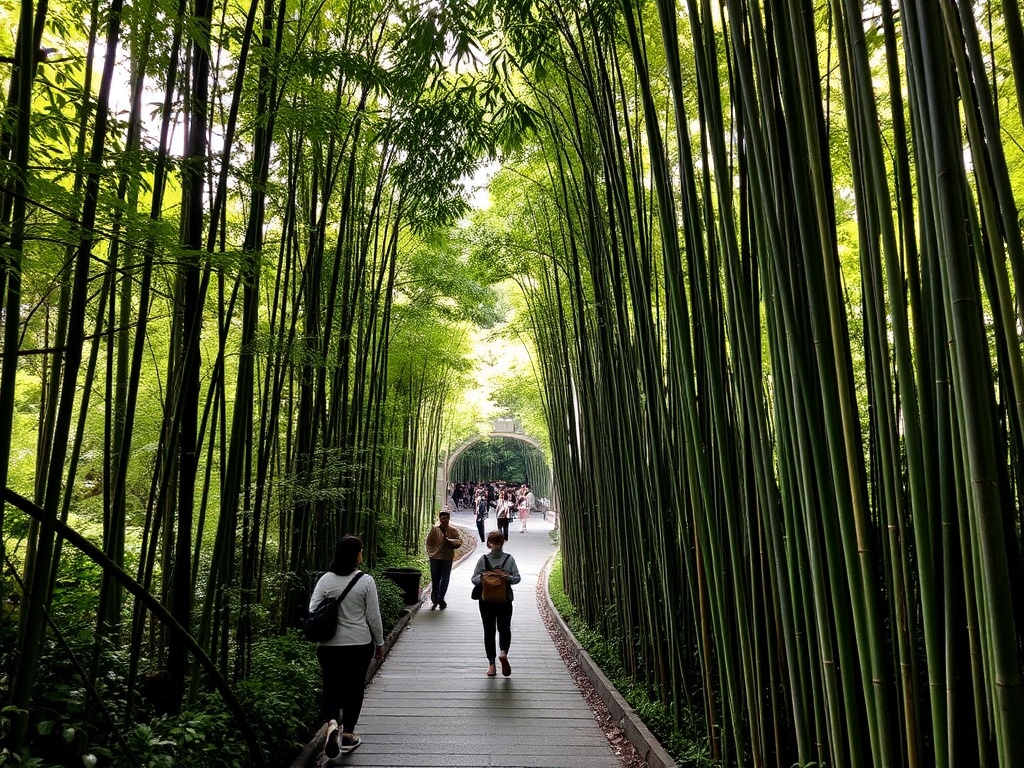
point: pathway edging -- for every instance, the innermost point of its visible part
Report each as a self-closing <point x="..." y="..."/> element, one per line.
<point x="634" y="729"/>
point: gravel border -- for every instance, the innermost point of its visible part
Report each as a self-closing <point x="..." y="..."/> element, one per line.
<point x="630" y="739"/>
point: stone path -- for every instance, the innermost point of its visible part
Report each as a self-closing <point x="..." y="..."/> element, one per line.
<point x="432" y="705"/>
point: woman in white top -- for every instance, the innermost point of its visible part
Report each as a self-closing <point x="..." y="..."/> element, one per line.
<point x="345" y="658"/>
<point x="504" y="513"/>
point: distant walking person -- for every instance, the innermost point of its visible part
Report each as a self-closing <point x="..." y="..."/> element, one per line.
<point x="442" y="541"/>
<point x="481" y="514"/>
<point x="504" y="513"/>
<point x="497" y="615"/>
<point x="525" y="507"/>
<point x="345" y="658"/>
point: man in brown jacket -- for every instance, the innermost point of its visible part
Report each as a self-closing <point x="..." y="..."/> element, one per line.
<point x="442" y="541"/>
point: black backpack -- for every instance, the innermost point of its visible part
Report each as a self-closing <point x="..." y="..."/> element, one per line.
<point x="321" y="624"/>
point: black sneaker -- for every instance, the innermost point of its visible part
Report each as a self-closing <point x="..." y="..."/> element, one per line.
<point x="442" y="605"/>
<point x="348" y="743"/>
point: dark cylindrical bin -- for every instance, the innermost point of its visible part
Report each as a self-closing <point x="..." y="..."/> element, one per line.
<point x="408" y="580"/>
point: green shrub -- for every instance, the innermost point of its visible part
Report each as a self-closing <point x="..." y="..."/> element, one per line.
<point x="66" y="725"/>
<point x="391" y="601"/>
<point x="280" y="699"/>
<point x="68" y="728"/>
<point x="391" y="550"/>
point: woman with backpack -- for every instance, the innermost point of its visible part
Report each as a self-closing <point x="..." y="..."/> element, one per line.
<point x="345" y="658"/>
<point x="493" y="577"/>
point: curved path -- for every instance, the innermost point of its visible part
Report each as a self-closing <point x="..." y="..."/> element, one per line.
<point x="432" y="705"/>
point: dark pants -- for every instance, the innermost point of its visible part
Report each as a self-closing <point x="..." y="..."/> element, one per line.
<point x="480" y="529"/>
<point x="440" y="573"/>
<point x="343" y="669"/>
<point x="503" y="526"/>
<point x="496" y="616"/>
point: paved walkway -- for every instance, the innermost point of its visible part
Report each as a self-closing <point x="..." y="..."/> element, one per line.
<point x="432" y="705"/>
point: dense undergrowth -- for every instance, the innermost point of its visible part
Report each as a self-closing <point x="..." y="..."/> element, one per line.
<point x="73" y="725"/>
<point x="688" y="747"/>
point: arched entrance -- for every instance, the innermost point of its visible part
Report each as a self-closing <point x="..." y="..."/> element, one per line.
<point x="506" y="429"/>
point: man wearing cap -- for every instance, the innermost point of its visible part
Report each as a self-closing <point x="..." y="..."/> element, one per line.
<point x="442" y="541"/>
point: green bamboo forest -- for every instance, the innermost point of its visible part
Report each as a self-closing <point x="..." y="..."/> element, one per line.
<point x="763" y="256"/>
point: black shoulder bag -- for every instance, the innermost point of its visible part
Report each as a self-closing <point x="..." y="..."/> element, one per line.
<point x="478" y="588"/>
<point x="321" y="624"/>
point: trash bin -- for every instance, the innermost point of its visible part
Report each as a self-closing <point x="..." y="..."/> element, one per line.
<point x="408" y="580"/>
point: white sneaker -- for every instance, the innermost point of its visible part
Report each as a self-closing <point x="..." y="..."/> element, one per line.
<point x="348" y="743"/>
<point x="332" y="745"/>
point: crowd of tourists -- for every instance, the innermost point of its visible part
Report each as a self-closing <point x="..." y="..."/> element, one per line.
<point x="508" y="502"/>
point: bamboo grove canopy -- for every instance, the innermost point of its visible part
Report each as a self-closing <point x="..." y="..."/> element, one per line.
<point x="768" y="253"/>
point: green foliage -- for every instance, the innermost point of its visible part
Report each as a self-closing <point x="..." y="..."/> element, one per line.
<point x="391" y="550"/>
<point x="280" y="699"/>
<point x="518" y="396"/>
<point x="440" y="278"/>
<point x="66" y="727"/>
<point x="185" y="740"/>
<point x="148" y="748"/>
<point x="495" y="459"/>
<point x="688" y="747"/>
<point x="391" y="601"/>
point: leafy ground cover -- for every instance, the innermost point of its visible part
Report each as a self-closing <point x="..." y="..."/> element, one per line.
<point x="79" y="726"/>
